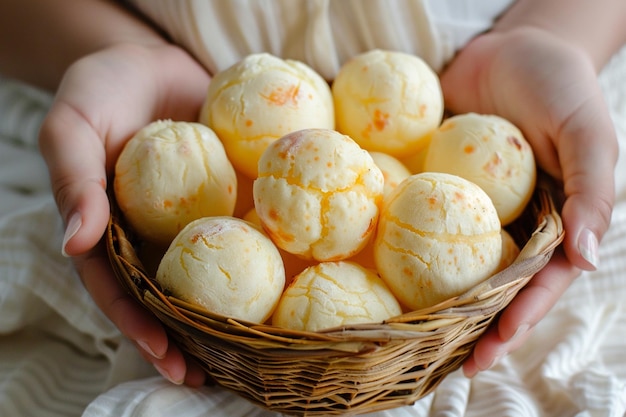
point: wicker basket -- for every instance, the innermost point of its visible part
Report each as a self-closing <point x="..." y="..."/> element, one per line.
<point x="348" y="370"/>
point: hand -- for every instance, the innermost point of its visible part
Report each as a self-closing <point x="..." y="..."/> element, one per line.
<point x="548" y="89"/>
<point x="103" y="99"/>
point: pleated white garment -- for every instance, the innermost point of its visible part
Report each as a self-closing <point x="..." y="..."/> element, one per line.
<point x="322" y="33"/>
<point x="59" y="356"/>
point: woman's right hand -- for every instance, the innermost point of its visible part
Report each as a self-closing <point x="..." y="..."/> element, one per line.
<point x="548" y="88"/>
<point x="103" y="99"/>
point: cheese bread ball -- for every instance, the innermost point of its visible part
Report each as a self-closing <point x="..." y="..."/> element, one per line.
<point x="489" y="151"/>
<point x="332" y="294"/>
<point x="244" y="200"/>
<point x="293" y="264"/>
<point x="415" y="162"/>
<point x="365" y="257"/>
<point x="510" y="250"/>
<point x="387" y="101"/>
<point x="438" y="235"/>
<point x="318" y="194"/>
<point x="171" y="173"/>
<point x="226" y="266"/>
<point x="261" y="98"/>
<point x="393" y="170"/>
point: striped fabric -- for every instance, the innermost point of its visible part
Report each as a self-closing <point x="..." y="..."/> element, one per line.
<point x="60" y="357"/>
<point x="57" y="350"/>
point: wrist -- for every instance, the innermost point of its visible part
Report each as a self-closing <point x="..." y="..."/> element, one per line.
<point x="595" y="28"/>
<point x="40" y="40"/>
<point x="536" y="38"/>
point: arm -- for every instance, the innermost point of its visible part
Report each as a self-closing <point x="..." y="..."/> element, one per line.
<point x="595" y="27"/>
<point x="538" y="68"/>
<point x="39" y="39"/>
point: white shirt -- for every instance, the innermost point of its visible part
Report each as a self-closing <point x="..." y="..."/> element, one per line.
<point x="321" y="33"/>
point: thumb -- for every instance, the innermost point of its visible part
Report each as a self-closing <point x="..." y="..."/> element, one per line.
<point x="588" y="150"/>
<point x="75" y="157"/>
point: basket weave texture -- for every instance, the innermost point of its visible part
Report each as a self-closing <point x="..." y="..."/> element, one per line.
<point x="350" y="370"/>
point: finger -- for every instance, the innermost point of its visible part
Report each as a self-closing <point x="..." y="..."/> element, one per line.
<point x="528" y="307"/>
<point x="588" y="153"/>
<point x="135" y="322"/>
<point x="171" y="366"/>
<point x="176" y="367"/>
<point x="75" y="158"/>
<point x="491" y="351"/>
<point x="195" y="376"/>
<point x="534" y="301"/>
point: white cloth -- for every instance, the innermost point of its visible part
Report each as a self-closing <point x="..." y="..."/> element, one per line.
<point x="322" y="33"/>
<point x="59" y="356"/>
<point x="57" y="351"/>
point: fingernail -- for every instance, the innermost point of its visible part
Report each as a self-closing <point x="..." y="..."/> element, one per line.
<point x="521" y="330"/>
<point x="470" y="371"/>
<point x="144" y="345"/>
<point x="588" y="247"/>
<point x="168" y="376"/>
<point x="73" y="225"/>
<point x="496" y="359"/>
